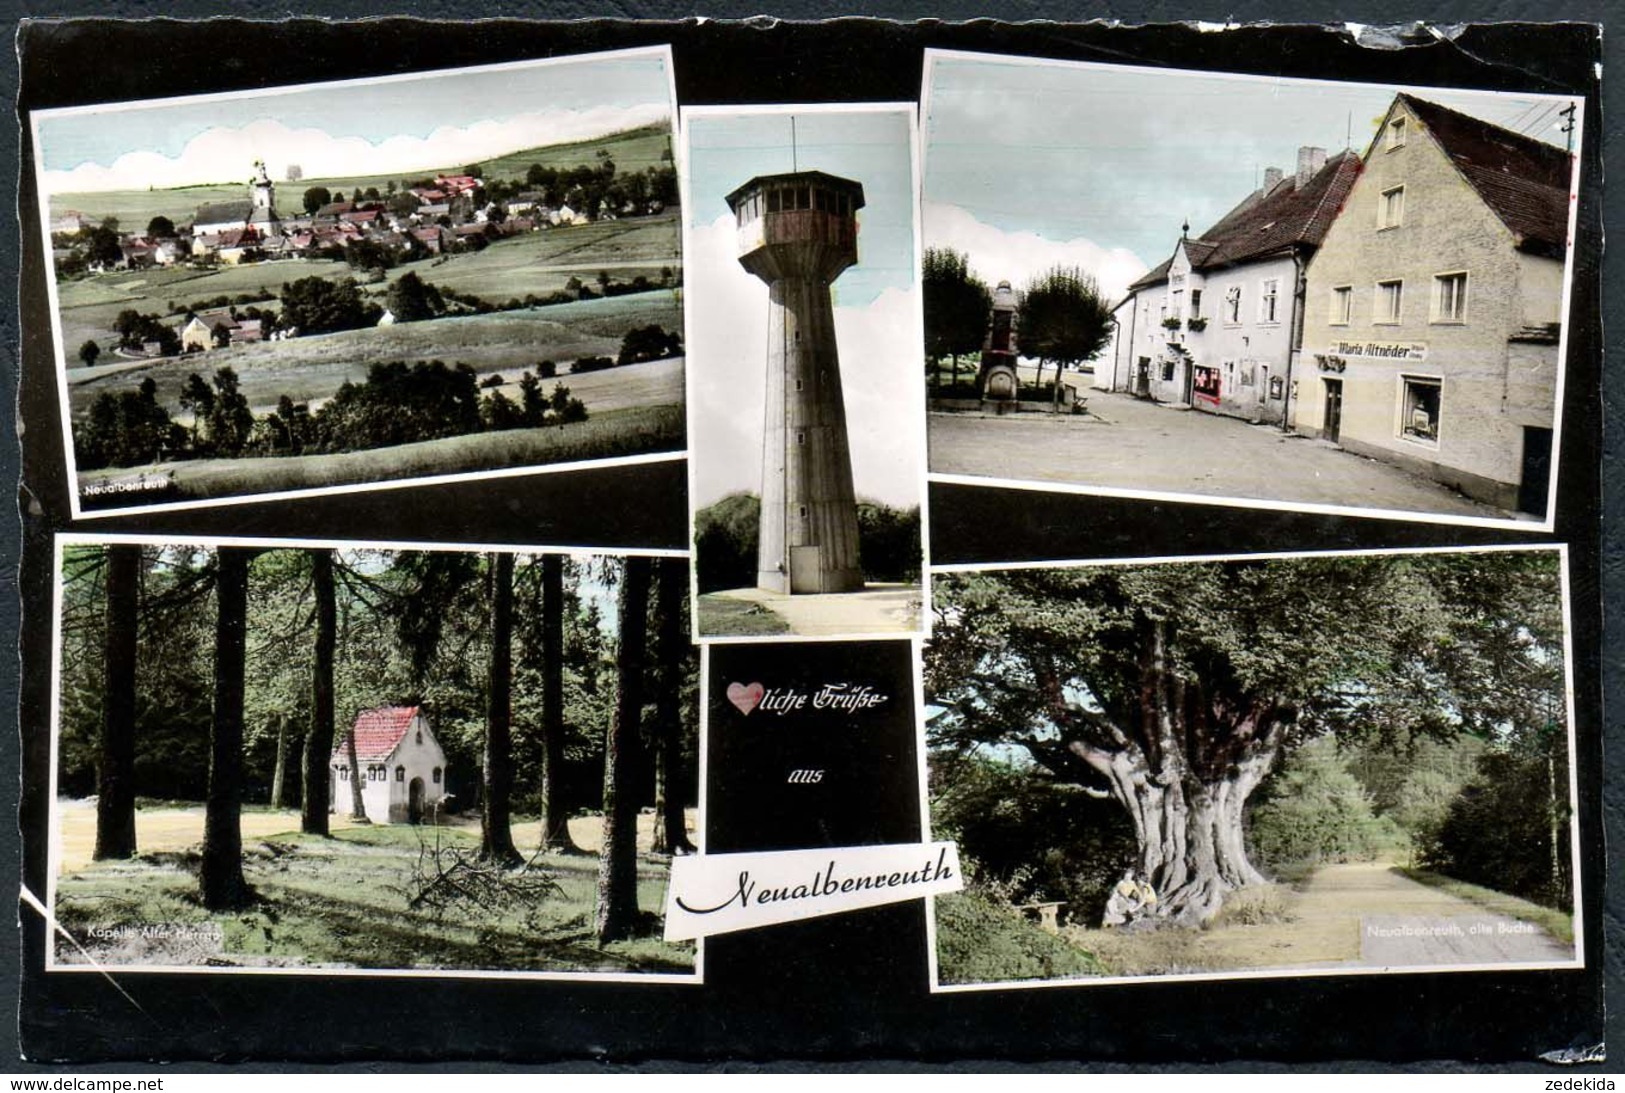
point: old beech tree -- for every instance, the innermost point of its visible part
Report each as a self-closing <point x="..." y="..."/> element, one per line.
<point x="1174" y="689"/>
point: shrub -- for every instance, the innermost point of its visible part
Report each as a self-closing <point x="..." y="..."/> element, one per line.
<point x="1315" y="810"/>
<point x="980" y="941"/>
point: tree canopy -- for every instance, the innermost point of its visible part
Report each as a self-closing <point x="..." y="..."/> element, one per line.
<point x="956" y="304"/>
<point x="1064" y="317"/>
<point x="1174" y="688"/>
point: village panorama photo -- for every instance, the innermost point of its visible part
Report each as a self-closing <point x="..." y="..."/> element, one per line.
<point x="366" y="760"/>
<point x="1328" y="297"/>
<point x="1317" y="764"/>
<point x="339" y="286"/>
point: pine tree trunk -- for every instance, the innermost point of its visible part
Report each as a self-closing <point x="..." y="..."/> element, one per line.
<point x="555" y="817"/>
<point x="496" y="834"/>
<point x="617" y="909"/>
<point x="115" y="775"/>
<point x="358" y="799"/>
<point x="317" y="790"/>
<point x="671" y="646"/>
<point x="280" y="770"/>
<point x="221" y="874"/>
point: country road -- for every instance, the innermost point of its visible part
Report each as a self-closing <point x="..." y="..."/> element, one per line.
<point x="1405" y="923"/>
<point x="1354" y="915"/>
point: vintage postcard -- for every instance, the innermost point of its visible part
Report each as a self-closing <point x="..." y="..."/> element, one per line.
<point x="1271" y="765"/>
<point x="807" y="468"/>
<point x="369" y="759"/>
<point x="1329" y="297"/>
<point x="365" y="283"/>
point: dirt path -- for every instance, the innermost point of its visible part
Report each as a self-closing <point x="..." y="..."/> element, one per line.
<point x="1402" y="922"/>
<point x="878" y="609"/>
<point x="1359" y="915"/>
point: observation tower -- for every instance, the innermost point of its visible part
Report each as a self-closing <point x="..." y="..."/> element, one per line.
<point x="798" y="232"/>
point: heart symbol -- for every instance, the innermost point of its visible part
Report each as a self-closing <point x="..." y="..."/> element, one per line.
<point x="746" y="696"/>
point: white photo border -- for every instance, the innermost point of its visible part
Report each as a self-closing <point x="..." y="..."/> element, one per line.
<point x="1575" y="863"/>
<point x="53" y="821"/>
<point x="1547" y="524"/>
<point x="43" y="196"/>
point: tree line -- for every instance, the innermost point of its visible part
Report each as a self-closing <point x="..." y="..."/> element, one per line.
<point x="396" y="404"/>
<point x="727" y="535"/>
<point x="538" y="700"/>
<point x="1197" y="726"/>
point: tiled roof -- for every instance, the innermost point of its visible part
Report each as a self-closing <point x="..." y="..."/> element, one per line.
<point x="1524" y="181"/>
<point x="377" y="732"/>
<point x="1262" y="224"/>
<point x="224" y="212"/>
<point x="1287" y="216"/>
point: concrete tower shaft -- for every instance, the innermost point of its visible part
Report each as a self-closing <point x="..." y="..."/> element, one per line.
<point x="797" y="233"/>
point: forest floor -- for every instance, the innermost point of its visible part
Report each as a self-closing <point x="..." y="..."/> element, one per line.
<point x="347" y="901"/>
<point x="1353" y="915"/>
<point x="881" y="608"/>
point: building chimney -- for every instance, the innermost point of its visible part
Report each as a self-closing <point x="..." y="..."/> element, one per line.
<point x="1310" y="161"/>
<point x="1272" y="178"/>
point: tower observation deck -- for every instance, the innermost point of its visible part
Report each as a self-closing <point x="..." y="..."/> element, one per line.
<point x="798" y="232"/>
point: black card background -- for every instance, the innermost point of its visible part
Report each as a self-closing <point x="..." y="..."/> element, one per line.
<point x="810" y="990"/>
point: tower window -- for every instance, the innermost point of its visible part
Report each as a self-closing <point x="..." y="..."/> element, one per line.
<point x="803" y="510"/>
<point x="801" y="437"/>
<point x="800" y="385"/>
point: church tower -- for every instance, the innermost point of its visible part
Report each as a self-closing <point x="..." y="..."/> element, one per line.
<point x="798" y="232"/>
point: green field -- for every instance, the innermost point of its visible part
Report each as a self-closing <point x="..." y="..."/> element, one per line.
<point x="311" y="369"/>
<point x="606" y="435"/>
<point x="536" y="263"/>
<point x="346" y="902"/>
<point x="632" y="151"/>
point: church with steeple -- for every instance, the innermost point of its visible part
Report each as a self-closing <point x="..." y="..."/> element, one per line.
<point x="257" y="212"/>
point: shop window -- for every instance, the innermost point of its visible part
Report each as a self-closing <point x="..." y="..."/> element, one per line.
<point x="1419" y="409"/>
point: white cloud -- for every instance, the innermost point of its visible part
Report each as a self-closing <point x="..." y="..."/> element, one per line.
<point x="224" y="154"/>
<point x="998" y="255"/>
<point x="726" y="334"/>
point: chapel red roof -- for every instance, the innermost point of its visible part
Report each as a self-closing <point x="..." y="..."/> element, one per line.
<point x="1524" y="181"/>
<point x="377" y="732"/>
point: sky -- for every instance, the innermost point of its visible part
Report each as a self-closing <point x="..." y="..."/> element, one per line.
<point x="877" y="301"/>
<point x="361" y="127"/>
<point x="1028" y="165"/>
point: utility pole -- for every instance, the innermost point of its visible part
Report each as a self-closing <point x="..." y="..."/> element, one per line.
<point x="1567" y="114"/>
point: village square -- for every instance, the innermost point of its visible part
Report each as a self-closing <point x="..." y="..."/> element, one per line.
<point x="1376" y="329"/>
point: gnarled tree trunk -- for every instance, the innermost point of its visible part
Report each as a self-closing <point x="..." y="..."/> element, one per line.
<point x="1184" y="774"/>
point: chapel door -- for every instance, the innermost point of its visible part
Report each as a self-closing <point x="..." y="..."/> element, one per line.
<point x="414" y="802"/>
